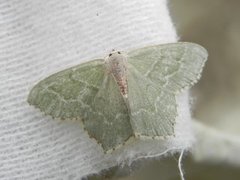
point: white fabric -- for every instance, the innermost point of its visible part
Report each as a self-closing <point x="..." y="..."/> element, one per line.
<point x="41" y="37"/>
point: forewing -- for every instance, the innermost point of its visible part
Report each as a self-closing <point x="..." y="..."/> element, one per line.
<point x="109" y="121"/>
<point x="172" y="67"/>
<point x="153" y="112"/>
<point x="69" y="93"/>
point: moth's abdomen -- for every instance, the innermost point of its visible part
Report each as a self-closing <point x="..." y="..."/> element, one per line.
<point x="117" y="66"/>
<point x="122" y="83"/>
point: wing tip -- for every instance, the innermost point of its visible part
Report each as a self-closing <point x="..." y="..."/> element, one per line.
<point x="202" y="50"/>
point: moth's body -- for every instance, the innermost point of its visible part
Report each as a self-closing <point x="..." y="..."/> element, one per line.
<point x="116" y="64"/>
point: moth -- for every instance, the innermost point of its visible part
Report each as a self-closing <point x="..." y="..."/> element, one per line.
<point x="125" y="95"/>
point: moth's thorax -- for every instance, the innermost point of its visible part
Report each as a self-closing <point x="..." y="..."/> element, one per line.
<point x="116" y="64"/>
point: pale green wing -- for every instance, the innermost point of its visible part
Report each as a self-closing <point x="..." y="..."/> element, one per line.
<point x="88" y="93"/>
<point x="172" y="67"/>
<point x="109" y="122"/>
<point x="153" y="112"/>
<point x="156" y="74"/>
<point x="69" y="93"/>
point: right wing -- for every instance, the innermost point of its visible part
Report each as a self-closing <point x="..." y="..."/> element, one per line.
<point x="155" y="75"/>
<point x="153" y="111"/>
<point x="174" y="66"/>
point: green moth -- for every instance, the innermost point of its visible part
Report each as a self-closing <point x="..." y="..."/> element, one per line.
<point x="124" y="95"/>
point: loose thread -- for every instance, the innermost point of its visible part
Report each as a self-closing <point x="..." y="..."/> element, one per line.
<point x="180" y="165"/>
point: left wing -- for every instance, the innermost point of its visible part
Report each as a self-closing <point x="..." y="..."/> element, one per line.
<point x="88" y="93"/>
<point x="108" y="121"/>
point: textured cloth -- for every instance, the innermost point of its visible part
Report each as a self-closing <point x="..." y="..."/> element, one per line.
<point x="41" y="37"/>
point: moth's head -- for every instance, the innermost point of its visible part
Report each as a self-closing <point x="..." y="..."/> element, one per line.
<point x="115" y="56"/>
